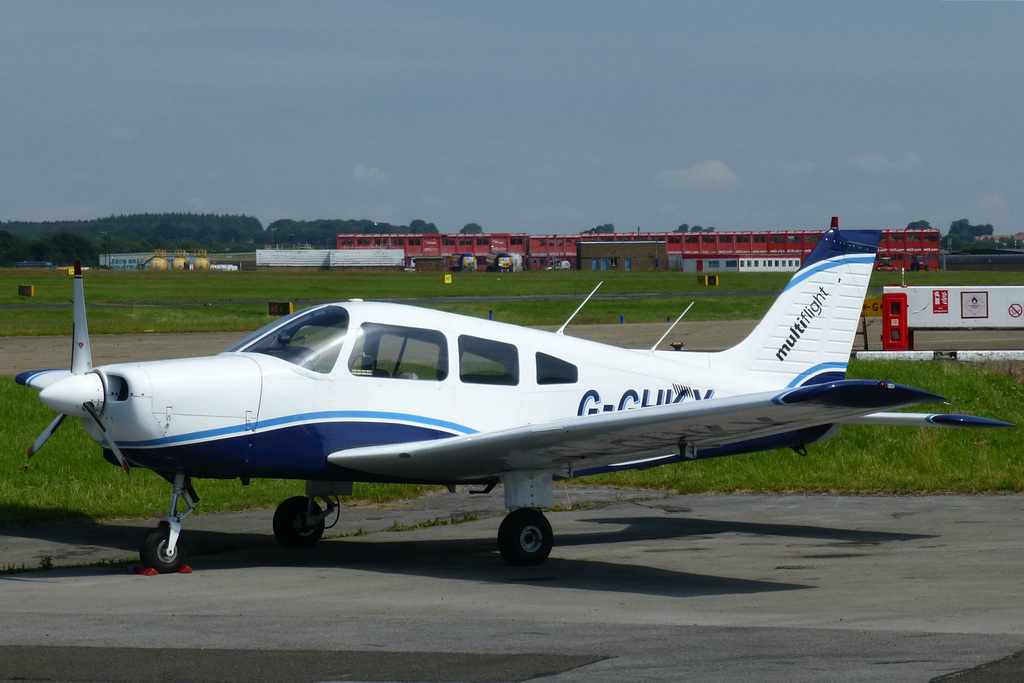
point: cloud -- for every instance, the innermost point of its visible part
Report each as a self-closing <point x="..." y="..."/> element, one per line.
<point x="709" y="175"/>
<point x="880" y="164"/>
<point x="371" y="176"/>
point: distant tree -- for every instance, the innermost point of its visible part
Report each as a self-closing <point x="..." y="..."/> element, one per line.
<point x="962" y="234"/>
<point x="685" y="227"/>
<point x="696" y="228"/>
<point x="919" y="225"/>
<point x="471" y="229"/>
<point x="419" y="226"/>
<point x="607" y="227"/>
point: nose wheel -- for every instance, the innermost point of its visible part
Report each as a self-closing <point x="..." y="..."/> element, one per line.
<point x="158" y="553"/>
<point x="160" y="549"/>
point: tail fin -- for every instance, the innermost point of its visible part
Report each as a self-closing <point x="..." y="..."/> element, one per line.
<point x="807" y="335"/>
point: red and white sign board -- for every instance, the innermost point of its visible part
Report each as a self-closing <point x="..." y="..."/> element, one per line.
<point x="963" y="307"/>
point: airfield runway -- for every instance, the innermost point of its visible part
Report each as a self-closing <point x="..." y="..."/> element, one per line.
<point x="639" y="587"/>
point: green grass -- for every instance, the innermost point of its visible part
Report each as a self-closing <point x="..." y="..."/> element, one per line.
<point x="102" y="286"/>
<point x="68" y="479"/>
<point x="148" y="286"/>
<point x="221" y="296"/>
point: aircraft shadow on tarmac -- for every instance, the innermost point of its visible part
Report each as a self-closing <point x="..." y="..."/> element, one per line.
<point x="654" y="528"/>
<point x="475" y="557"/>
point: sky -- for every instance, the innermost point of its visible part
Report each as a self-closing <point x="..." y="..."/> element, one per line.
<point x="537" y="117"/>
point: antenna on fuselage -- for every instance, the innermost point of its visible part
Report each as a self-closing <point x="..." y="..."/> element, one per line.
<point x="671" y="327"/>
<point x="566" y="323"/>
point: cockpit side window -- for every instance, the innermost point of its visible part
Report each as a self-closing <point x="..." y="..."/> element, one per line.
<point x="485" y="361"/>
<point x="311" y="339"/>
<point x="399" y="352"/>
<point x="551" y="370"/>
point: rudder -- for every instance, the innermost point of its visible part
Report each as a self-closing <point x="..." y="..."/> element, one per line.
<point x="807" y="335"/>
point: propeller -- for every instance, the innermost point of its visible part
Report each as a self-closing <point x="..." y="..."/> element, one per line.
<point x="81" y="392"/>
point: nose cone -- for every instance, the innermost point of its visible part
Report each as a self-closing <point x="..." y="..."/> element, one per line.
<point x="67" y="395"/>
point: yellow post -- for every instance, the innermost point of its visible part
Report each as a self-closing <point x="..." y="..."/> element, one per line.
<point x="447" y="278"/>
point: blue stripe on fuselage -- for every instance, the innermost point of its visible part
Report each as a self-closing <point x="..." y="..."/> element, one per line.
<point x="318" y="417"/>
<point x="297" y="451"/>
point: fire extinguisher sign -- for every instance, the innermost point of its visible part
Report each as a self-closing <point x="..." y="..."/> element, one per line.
<point x="940" y="301"/>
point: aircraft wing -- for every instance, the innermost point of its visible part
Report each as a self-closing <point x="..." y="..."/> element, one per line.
<point x="638" y="438"/>
<point x="40" y="379"/>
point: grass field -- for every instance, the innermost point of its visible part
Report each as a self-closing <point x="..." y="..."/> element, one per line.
<point x="69" y="479"/>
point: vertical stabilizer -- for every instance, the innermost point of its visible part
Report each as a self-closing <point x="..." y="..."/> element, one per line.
<point x="807" y="335"/>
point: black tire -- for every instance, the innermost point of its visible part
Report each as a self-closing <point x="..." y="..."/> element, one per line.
<point x="290" y="527"/>
<point x="525" y="538"/>
<point x="153" y="552"/>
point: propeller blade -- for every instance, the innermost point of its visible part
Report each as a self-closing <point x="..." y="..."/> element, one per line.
<point x="81" y="351"/>
<point x="47" y="433"/>
<point x="89" y="408"/>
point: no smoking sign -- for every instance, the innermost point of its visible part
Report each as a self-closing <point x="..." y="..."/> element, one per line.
<point x="1016" y="310"/>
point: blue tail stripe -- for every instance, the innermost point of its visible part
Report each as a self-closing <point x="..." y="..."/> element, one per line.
<point x="806" y="272"/>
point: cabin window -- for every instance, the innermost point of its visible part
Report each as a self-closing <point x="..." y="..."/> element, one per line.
<point x="310" y="339"/>
<point x="484" y="361"/>
<point x="399" y="353"/>
<point x="551" y="370"/>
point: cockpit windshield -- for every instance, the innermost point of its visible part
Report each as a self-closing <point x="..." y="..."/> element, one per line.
<point x="310" y="339"/>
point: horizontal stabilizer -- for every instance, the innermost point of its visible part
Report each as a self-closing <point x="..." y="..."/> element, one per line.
<point x="927" y="420"/>
<point x="859" y="394"/>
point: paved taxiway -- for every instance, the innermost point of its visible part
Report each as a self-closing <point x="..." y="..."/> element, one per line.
<point x="639" y="587"/>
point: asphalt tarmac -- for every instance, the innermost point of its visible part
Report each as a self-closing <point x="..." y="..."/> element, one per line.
<point x="640" y="586"/>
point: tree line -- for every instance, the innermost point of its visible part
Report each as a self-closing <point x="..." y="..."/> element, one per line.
<point x="61" y="242"/>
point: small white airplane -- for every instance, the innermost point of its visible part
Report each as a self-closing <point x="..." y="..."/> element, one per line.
<point x="358" y="391"/>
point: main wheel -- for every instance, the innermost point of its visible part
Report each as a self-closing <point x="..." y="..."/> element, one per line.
<point x="290" y="527"/>
<point x="154" y="555"/>
<point x="524" y="537"/>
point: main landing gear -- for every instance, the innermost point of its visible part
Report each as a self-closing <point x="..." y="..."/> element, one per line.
<point x="299" y="522"/>
<point x="524" y="537"/>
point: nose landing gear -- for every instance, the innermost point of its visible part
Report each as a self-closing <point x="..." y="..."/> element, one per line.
<point x="160" y="550"/>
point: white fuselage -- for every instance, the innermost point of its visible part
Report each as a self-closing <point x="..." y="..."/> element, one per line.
<point x="250" y="414"/>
